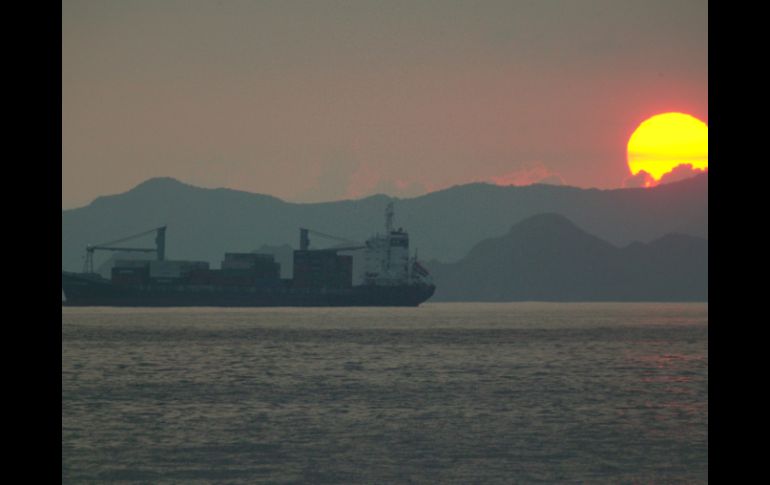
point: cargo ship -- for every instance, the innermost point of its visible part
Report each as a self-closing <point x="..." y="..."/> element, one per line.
<point x="320" y="277"/>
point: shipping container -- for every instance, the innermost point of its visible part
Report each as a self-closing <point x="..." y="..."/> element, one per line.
<point x="322" y="269"/>
<point x="257" y="261"/>
<point x="129" y="279"/>
<point x="200" y="277"/>
<point x="248" y="257"/>
<point x="132" y="263"/>
<point x="129" y="275"/>
<point x="175" y="269"/>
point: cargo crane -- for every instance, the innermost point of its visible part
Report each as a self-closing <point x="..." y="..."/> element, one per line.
<point x="159" y="249"/>
<point x="304" y="241"/>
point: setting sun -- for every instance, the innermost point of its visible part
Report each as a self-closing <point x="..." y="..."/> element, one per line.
<point x="664" y="142"/>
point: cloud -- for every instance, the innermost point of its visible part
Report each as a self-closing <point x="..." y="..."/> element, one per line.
<point x="531" y="173"/>
<point x="641" y="179"/>
<point x="345" y="179"/>
<point x="331" y="182"/>
<point x="554" y="179"/>
<point x="680" y="172"/>
<point x="367" y="180"/>
<point x="399" y="188"/>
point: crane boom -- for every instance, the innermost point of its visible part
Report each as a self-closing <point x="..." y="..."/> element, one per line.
<point x="128" y="238"/>
<point x="138" y="250"/>
<point x="304" y="241"/>
<point x="160" y="247"/>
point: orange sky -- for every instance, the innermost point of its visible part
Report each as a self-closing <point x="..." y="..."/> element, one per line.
<point x="314" y="101"/>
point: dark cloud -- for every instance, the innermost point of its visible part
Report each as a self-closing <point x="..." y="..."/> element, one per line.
<point x="641" y="179"/>
<point x="680" y="172"/>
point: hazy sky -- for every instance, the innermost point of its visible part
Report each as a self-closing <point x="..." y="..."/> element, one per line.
<point x="322" y="100"/>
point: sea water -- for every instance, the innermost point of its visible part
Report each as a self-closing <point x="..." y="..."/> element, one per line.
<point x="443" y="393"/>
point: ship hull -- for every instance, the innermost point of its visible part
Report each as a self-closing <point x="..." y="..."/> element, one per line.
<point x="82" y="290"/>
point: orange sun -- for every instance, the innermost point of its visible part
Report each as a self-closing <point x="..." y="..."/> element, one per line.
<point x="664" y="142"/>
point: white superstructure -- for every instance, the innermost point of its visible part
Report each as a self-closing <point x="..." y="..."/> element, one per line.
<point x="386" y="257"/>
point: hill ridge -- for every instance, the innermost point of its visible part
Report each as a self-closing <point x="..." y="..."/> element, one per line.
<point x="205" y="223"/>
<point x="546" y="257"/>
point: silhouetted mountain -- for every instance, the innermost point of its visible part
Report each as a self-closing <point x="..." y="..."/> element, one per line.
<point x="548" y="258"/>
<point x="205" y="223"/>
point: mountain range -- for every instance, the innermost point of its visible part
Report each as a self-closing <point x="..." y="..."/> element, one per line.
<point x="444" y="226"/>
<point x="548" y="258"/>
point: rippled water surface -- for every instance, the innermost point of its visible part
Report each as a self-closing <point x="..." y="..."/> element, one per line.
<point x="443" y="393"/>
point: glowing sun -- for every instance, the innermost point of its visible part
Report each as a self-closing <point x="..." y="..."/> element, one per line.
<point x="663" y="142"/>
